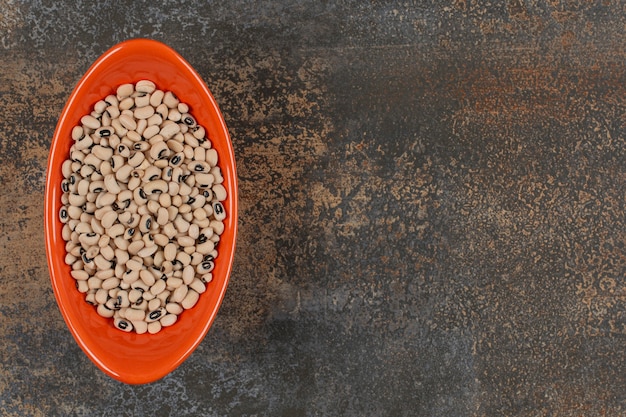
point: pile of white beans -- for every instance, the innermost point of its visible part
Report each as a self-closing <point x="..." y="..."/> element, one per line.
<point x="142" y="207"/>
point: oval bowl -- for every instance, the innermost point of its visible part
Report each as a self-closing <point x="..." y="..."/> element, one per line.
<point x="130" y="357"/>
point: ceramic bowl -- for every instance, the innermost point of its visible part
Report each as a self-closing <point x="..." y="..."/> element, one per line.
<point x="129" y="357"/>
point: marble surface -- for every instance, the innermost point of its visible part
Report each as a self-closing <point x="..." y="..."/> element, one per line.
<point x="431" y="207"/>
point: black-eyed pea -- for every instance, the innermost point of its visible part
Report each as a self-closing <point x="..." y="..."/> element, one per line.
<point x="169" y="129"/>
<point x="139" y="195"/>
<point x="111" y="185"/>
<point x="205" y="267"/>
<point x="200" y="214"/>
<point x="130" y="276"/>
<point x="156" y="313"/>
<point x="104" y="240"/>
<point x="123" y="174"/>
<point x="175" y="146"/>
<point x="197" y="285"/>
<point x="170" y="100"/>
<point x="158" y="287"/>
<point x="79" y="275"/>
<point x="108" y="253"/>
<point x="174" y="115"/>
<point x="218" y="211"/>
<point x="142" y="99"/>
<point x="82" y="188"/>
<point x="145" y="86"/>
<point x="198" y="153"/>
<point x="101" y="296"/>
<point x="134" y="314"/>
<point x="129" y="232"/>
<point x="126" y="104"/>
<point x="193" y="231"/>
<point x="104" y="311"/>
<point x="211" y="157"/>
<point x="217" y="175"/>
<point x="173" y="283"/>
<point x="141" y="146"/>
<point x="140" y="326"/>
<point x="147" y="252"/>
<point x="206" y="247"/>
<point x="90" y="122"/>
<point x="94" y="283"/>
<point x="203" y="180"/>
<point x="217" y="226"/>
<point x="190" y="299"/>
<point x="89" y="239"/>
<point x="154" y="121"/>
<point x="186" y="240"/>
<point x="199" y="133"/>
<point x="184" y="257"/>
<point x="135" y="246"/>
<point x="134" y="264"/>
<point x="169" y="252"/>
<point x="179" y="294"/>
<point x="115" y="231"/>
<point x="145" y="223"/>
<point x="64" y="215"/>
<point x="173" y="308"/>
<point x="121" y="255"/>
<point x="136" y="158"/>
<point x="141" y="286"/>
<point x="110" y="283"/>
<point x="206" y="278"/>
<point x="156" y="98"/>
<point x="168" y="320"/>
<point x="100" y="261"/>
<point x="155" y="187"/>
<point x="147" y="277"/>
<point x="123" y="324"/>
<point x="134" y="296"/>
<point x="123" y="91"/>
<point x="77" y="199"/>
<point x="96" y="226"/>
<point x="154" y="327"/>
<point x="105" y="199"/>
<point x="219" y="192"/>
<point x="199" y="167"/>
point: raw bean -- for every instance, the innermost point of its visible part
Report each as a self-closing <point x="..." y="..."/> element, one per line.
<point x="158" y="287"/>
<point x="104" y="311"/>
<point x="140" y="327"/>
<point x="173" y="308"/>
<point x="170" y="100"/>
<point x="123" y="324"/>
<point x="134" y="314"/>
<point x="144" y="112"/>
<point x="141" y="207"/>
<point x="124" y="90"/>
<point x="156" y="98"/>
<point x="145" y="86"/>
<point x="179" y="294"/>
<point x="219" y="192"/>
<point x="154" y="327"/>
<point x="90" y="122"/>
<point x="198" y="286"/>
<point x="155" y="315"/>
<point x="168" y="320"/>
<point x="190" y="299"/>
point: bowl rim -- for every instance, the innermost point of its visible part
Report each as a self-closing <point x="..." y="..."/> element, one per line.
<point x="123" y="370"/>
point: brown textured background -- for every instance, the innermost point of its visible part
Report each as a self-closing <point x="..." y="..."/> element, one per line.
<point x="432" y="207"/>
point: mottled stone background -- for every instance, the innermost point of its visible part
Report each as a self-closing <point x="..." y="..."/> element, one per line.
<point x="432" y="207"/>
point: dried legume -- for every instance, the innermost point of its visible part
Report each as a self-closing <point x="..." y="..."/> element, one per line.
<point x="142" y="208"/>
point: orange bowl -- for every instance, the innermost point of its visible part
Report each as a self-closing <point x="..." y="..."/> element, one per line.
<point x="129" y="357"/>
